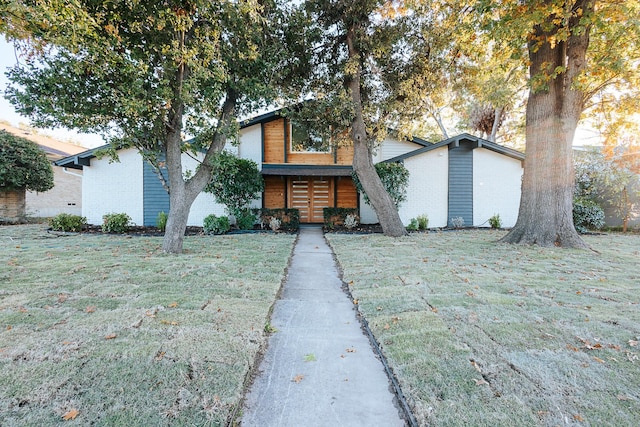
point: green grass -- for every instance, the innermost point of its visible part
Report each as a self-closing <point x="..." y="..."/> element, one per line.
<point x="487" y="334"/>
<point x="126" y="335"/>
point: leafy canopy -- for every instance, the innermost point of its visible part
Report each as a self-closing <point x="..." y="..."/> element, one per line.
<point x="23" y="165"/>
<point x="235" y="181"/>
<point x="395" y="179"/>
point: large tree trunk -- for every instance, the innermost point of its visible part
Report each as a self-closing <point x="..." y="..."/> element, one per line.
<point x="183" y="193"/>
<point x="553" y="111"/>
<point x="379" y="198"/>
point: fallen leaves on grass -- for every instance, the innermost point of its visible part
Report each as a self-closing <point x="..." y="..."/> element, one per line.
<point x="90" y="309"/>
<point x="298" y="378"/>
<point x="633" y="343"/>
<point x="578" y="418"/>
<point x="110" y="336"/>
<point x="173" y="305"/>
<point x="70" y="414"/>
<point x="169" y="322"/>
<point x="480" y="382"/>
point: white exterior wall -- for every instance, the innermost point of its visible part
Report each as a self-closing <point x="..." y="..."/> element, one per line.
<point x="428" y="190"/>
<point x="497" y="183"/>
<point x="113" y="187"/>
<point x="251" y="144"/>
<point x="205" y="204"/>
<point x="391" y="148"/>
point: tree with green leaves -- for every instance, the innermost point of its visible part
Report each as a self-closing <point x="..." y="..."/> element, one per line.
<point x="394" y="177"/>
<point x="608" y="182"/>
<point x="575" y="50"/>
<point x="144" y="74"/>
<point x="23" y="167"/>
<point x="236" y="182"/>
<point x="371" y="64"/>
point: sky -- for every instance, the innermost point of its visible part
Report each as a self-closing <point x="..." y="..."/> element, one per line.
<point x="8" y="113"/>
<point x="584" y="136"/>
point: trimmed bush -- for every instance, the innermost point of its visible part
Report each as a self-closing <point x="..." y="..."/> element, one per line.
<point x="289" y="218"/>
<point x="495" y="221"/>
<point x="587" y="215"/>
<point x="245" y="220"/>
<point x="423" y="222"/>
<point x="116" y="223"/>
<point x="457" y="222"/>
<point x="216" y="224"/>
<point x="413" y="225"/>
<point x="161" y="221"/>
<point x="67" y="222"/>
<point x="338" y="216"/>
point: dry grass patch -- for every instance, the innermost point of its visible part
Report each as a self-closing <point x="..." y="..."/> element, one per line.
<point x="486" y="334"/>
<point x="126" y="335"/>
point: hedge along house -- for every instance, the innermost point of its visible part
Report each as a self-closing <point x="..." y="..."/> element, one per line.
<point x="305" y="179"/>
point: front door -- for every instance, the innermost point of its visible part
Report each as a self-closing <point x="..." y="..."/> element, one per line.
<point x="310" y="195"/>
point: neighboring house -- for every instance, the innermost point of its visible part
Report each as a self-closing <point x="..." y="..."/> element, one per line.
<point x="65" y="196"/>
<point x="462" y="176"/>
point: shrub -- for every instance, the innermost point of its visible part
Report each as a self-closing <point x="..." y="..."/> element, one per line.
<point x="289" y="218"/>
<point x="457" y="222"/>
<point x="235" y="182"/>
<point x="587" y="215"/>
<point x="115" y="223"/>
<point x="245" y="220"/>
<point x="337" y="216"/>
<point x="161" y="221"/>
<point x="274" y="223"/>
<point x="395" y="179"/>
<point x="351" y="221"/>
<point x="423" y="222"/>
<point x="67" y="222"/>
<point x="413" y="225"/>
<point x="216" y="224"/>
<point x="23" y="165"/>
<point x="495" y="221"/>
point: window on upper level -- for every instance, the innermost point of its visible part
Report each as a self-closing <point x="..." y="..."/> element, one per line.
<point x="306" y="139"/>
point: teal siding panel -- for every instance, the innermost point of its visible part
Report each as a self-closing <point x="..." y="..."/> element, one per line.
<point x="156" y="198"/>
<point x="461" y="183"/>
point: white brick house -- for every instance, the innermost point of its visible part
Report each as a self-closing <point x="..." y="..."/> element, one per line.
<point x="461" y="176"/>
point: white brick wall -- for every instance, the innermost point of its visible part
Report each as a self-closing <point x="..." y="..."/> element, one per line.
<point x="428" y="187"/>
<point x="113" y="187"/>
<point x="391" y="148"/>
<point x="251" y="144"/>
<point x="497" y="183"/>
<point x="427" y="192"/>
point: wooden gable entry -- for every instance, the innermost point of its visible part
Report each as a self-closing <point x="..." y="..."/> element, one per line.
<point x="310" y="195"/>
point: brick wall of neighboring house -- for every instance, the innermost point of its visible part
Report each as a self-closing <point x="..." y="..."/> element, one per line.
<point x="12" y="205"/>
<point x="64" y="197"/>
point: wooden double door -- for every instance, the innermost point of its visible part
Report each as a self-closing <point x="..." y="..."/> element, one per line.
<point x="310" y="195"/>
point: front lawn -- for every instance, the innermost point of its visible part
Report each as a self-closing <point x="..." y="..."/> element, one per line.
<point x="486" y="334"/>
<point x="108" y="330"/>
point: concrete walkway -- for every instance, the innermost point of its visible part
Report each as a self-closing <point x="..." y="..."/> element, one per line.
<point x="319" y="368"/>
